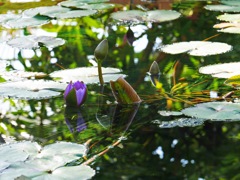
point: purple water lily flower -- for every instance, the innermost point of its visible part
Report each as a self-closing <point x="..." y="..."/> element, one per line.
<point x="75" y="93"/>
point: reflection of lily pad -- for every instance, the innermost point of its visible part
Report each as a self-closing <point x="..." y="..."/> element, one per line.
<point x="26" y="22"/>
<point x="197" y="48"/>
<point x="149" y="16"/>
<point x="88" y="75"/>
<point x="44" y="163"/>
<point x="33" y="42"/>
<point x="224" y="70"/>
<point x="214" y="111"/>
<point x="75" y="14"/>
<point x="31" y="89"/>
<point x="182" y="122"/>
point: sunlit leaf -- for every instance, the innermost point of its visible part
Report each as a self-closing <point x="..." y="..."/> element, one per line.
<point x="223" y="8"/>
<point x="46" y="11"/>
<point x="231" y="2"/>
<point x="7" y="17"/>
<point x="138" y="16"/>
<point x="233" y="81"/>
<point x="229" y="17"/>
<point x="233" y="30"/>
<point x="75" y="14"/>
<point x="123" y="92"/>
<point x="101" y="6"/>
<point x="26" y="22"/>
<point x="33" y="42"/>
<point x="214" y="111"/>
<point x="197" y="48"/>
<point x="223" y="70"/>
<point x="88" y="75"/>
<point x="79" y="3"/>
<point x="31" y="89"/>
<point x="170" y="113"/>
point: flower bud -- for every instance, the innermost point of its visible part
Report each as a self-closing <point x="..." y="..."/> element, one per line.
<point x="101" y="50"/>
<point x="75" y="94"/>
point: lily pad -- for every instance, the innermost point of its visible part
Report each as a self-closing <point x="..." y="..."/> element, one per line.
<point x="101" y="6"/>
<point x="170" y="113"/>
<point x="197" y="48"/>
<point x="88" y="75"/>
<point x="31" y="89"/>
<point x="7" y="17"/>
<point x="49" y="11"/>
<point x="26" y="22"/>
<point x="223" y="70"/>
<point x="182" y="122"/>
<point x="75" y="14"/>
<point x="231" y="2"/>
<point x="229" y="17"/>
<point x="223" y="8"/>
<point x="79" y="3"/>
<point x="20" y="75"/>
<point x="220" y="111"/>
<point x="138" y="16"/>
<point x="47" y="163"/>
<point x="33" y="42"/>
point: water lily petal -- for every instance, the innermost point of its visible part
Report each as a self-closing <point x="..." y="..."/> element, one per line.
<point x="68" y="89"/>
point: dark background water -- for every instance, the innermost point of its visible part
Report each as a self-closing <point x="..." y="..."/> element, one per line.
<point x="147" y="151"/>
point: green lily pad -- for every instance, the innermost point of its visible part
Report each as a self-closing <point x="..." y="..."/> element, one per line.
<point x="76" y="14"/>
<point x="197" y="48"/>
<point x="220" y="111"/>
<point x="88" y="75"/>
<point x="26" y="22"/>
<point x="79" y="3"/>
<point x="223" y="70"/>
<point x="49" y="11"/>
<point x="231" y="2"/>
<point x="7" y="17"/>
<point x="223" y="8"/>
<point x="182" y="122"/>
<point x="101" y="6"/>
<point x="33" y="42"/>
<point x="47" y="163"/>
<point x="137" y="16"/>
<point x="31" y="89"/>
<point x="170" y="113"/>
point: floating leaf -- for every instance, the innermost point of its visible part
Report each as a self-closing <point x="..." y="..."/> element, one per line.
<point x="231" y="2"/>
<point x="75" y="14"/>
<point x="233" y="30"/>
<point x="214" y="111"/>
<point x="46" y="11"/>
<point x="197" y="48"/>
<point x="223" y="70"/>
<point x="233" y="81"/>
<point x="182" y="122"/>
<point x="123" y="92"/>
<point x="88" y="75"/>
<point x="7" y="17"/>
<point x="79" y="3"/>
<point x="138" y="16"/>
<point x="19" y="75"/>
<point x="170" y="113"/>
<point x="223" y="8"/>
<point x="31" y="89"/>
<point x="101" y="6"/>
<point x="47" y="163"/>
<point x="229" y="17"/>
<point x="26" y="22"/>
<point x="33" y="42"/>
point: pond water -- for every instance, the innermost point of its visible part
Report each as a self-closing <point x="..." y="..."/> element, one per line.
<point x="187" y="125"/>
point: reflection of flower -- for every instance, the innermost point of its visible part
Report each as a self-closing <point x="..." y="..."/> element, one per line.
<point x="81" y="125"/>
<point x="75" y="93"/>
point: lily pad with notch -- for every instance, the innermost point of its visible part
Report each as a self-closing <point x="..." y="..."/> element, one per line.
<point x="88" y="75"/>
<point x="197" y="48"/>
<point x="215" y="111"/>
<point x="31" y="89"/>
<point x="34" y="42"/>
<point x="223" y="70"/>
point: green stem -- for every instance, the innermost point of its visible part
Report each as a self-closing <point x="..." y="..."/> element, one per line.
<point x="100" y="72"/>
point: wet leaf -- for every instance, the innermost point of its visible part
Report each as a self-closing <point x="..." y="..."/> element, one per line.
<point x="223" y="70"/>
<point x="88" y="75"/>
<point x="7" y="17"/>
<point x="220" y="111"/>
<point x="102" y="6"/>
<point x="182" y="122"/>
<point x="33" y="42"/>
<point x="123" y="92"/>
<point x="17" y="75"/>
<point x="197" y="48"/>
<point x="79" y="3"/>
<point x="229" y="17"/>
<point x="31" y="89"/>
<point x="170" y="113"/>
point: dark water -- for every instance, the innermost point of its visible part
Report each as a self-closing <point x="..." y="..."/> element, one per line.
<point x="204" y="150"/>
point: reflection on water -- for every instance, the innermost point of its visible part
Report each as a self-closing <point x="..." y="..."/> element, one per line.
<point x="155" y="143"/>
